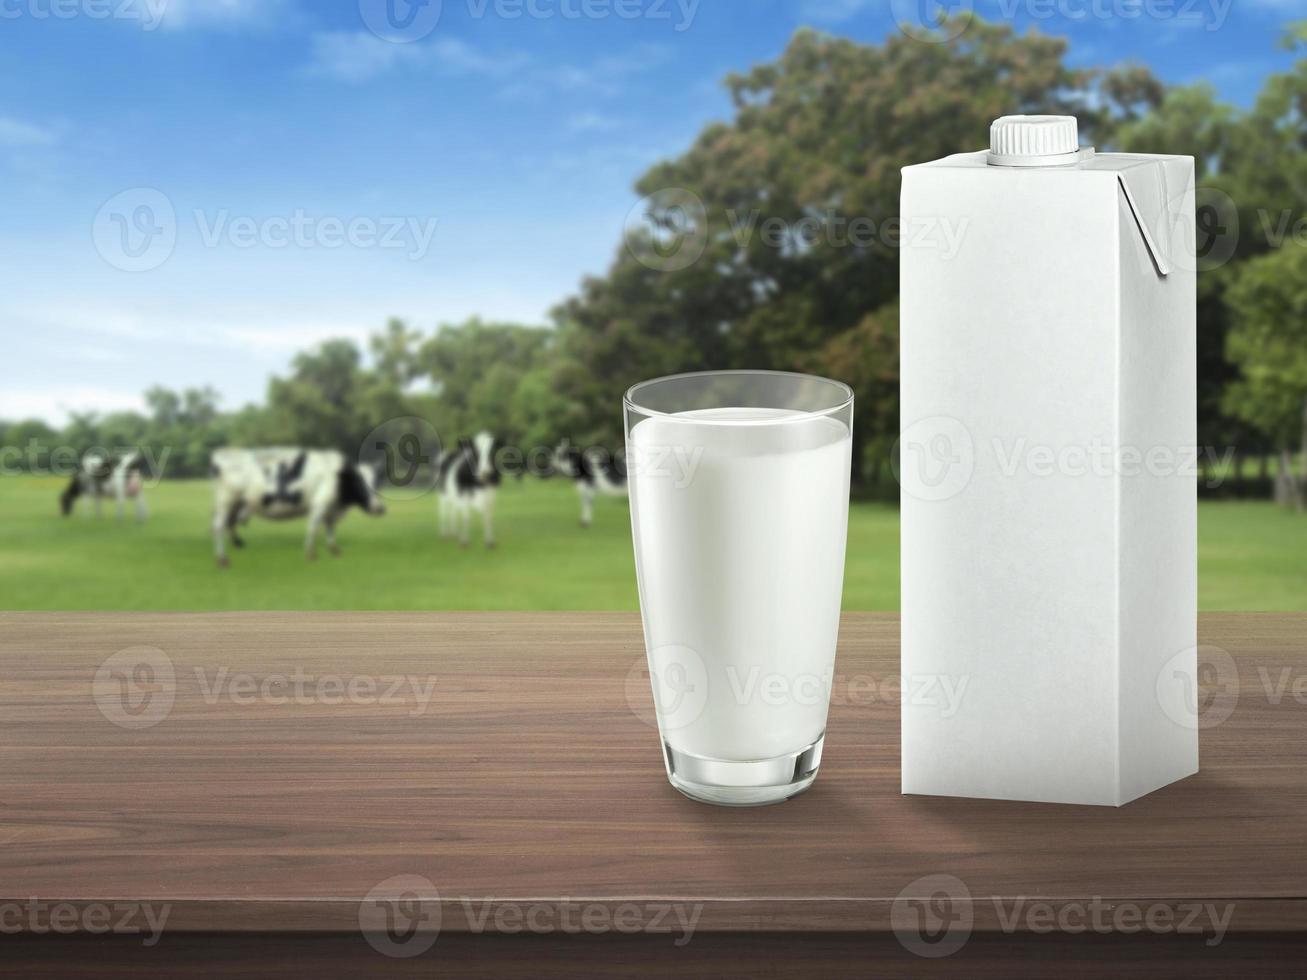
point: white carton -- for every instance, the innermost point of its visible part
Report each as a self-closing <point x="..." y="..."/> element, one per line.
<point x="1049" y="471"/>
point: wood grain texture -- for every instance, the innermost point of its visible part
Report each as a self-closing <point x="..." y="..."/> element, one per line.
<point x="533" y="776"/>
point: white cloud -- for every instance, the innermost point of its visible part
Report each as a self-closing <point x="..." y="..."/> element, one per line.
<point x="231" y="332"/>
<point x="16" y="133"/>
<point x="90" y="355"/>
<point x="97" y="319"/>
<point x="592" y="122"/>
<point x="606" y="77"/>
<point x="454" y="55"/>
<point x="55" y="403"/>
<point x="833" y="11"/>
<point x="641" y="58"/>
<point x="182" y="14"/>
<point x="357" y="56"/>
<point x="289" y="338"/>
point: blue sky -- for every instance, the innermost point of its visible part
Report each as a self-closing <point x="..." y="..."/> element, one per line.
<point x="321" y="177"/>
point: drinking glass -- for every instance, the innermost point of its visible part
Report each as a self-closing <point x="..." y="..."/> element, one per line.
<point x="739" y="512"/>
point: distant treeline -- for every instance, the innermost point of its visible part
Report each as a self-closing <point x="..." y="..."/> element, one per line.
<point x="772" y="243"/>
<point x="460" y="380"/>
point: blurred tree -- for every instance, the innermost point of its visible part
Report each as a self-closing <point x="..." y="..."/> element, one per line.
<point x="165" y="406"/>
<point x="867" y="359"/>
<point x="1130" y="92"/>
<point x="30" y="443"/>
<point x="395" y="353"/>
<point x="251" y="425"/>
<point x="476" y="369"/>
<point x="319" y="405"/>
<point x="1267" y="164"/>
<point x="82" y="432"/>
<point x="188" y="425"/>
<point x="123" y="429"/>
<point x="544" y="412"/>
<point x="798" y="198"/>
<point x="1269" y="160"/>
<point x="1269" y="341"/>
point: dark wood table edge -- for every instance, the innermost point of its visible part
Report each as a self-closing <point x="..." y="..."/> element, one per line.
<point x="477" y="915"/>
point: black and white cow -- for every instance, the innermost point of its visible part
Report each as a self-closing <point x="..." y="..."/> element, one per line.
<point x="281" y="484"/>
<point x="595" y="471"/>
<point x="467" y="481"/>
<point x="99" y="476"/>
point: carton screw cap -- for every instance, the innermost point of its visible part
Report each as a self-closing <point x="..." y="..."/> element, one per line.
<point x="1016" y="141"/>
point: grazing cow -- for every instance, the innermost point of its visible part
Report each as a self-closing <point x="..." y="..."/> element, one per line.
<point x="467" y="481"/>
<point x="99" y="476"/>
<point x="280" y="484"/>
<point x="595" y="471"/>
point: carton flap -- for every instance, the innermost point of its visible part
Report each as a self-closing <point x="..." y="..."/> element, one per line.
<point x="1146" y="193"/>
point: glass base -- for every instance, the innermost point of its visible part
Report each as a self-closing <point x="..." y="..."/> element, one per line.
<point x="755" y="783"/>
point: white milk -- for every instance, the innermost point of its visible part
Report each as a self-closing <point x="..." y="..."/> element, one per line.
<point x="739" y="518"/>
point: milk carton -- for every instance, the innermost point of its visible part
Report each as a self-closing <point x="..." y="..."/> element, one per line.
<point x="1049" y="470"/>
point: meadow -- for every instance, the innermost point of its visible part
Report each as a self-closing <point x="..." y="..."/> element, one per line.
<point x="1252" y="556"/>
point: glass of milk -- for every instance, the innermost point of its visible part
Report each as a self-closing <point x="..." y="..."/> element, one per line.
<point x="739" y="510"/>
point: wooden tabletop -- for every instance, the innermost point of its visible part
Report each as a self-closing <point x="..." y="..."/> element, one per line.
<point x="262" y="773"/>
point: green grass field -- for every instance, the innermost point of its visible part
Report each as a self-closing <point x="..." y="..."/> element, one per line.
<point x="1251" y="556"/>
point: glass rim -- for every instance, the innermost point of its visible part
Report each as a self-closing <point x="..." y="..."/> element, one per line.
<point x="628" y="400"/>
